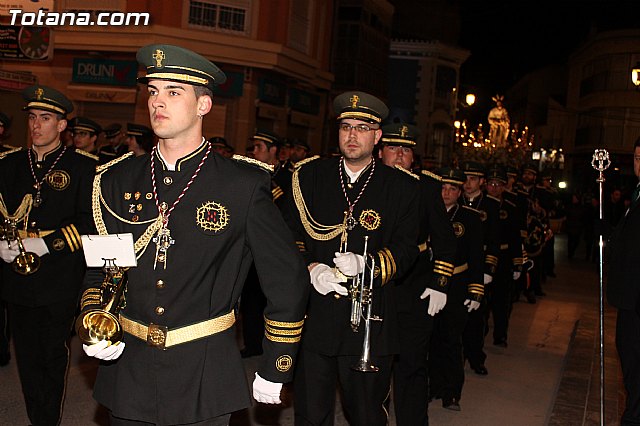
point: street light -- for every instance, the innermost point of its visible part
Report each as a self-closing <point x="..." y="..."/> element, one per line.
<point x="635" y="75"/>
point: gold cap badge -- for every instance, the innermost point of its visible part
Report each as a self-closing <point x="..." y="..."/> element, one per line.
<point x="354" y="101"/>
<point x="159" y="57"/>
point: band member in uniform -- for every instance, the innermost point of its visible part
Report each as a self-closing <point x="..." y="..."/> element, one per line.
<point x="220" y="145"/>
<point x="623" y="293"/>
<point x="5" y="124"/>
<point x="5" y="335"/>
<point x="299" y="150"/>
<point x="336" y="203"/>
<point x="466" y="290"/>
<point x="199" y="220"/>
<point x="140" y="139"/>
<point x="265" y="149"/>
<point x="115" y="143"/>
<point x="85" y="134"/>
<point x="509" y="260"/>
<point x="428" y="277"/>
<point x="476" y="198"/>
<point x="47" y="192"/>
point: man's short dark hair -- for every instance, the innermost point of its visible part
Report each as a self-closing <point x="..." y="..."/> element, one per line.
<point x="637" y="144"/>
<point x="201" y="91"/>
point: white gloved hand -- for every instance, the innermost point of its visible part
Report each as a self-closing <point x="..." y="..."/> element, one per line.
<point x="471" y="305"/>
<point x="487" y="279"/>
<point x="104" y="350"/>
<point x="9" y="250"/>
<point x="265" y="391"/>
<point x="348" y="263"/>
<point x="437" y="300"/>
<point x="35" y="245"/>
<point x="325" y="281"/>
<point x="516" y="275"/>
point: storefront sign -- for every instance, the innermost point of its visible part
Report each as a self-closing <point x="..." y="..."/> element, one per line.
<point x="16" y="80"/>
<point x="101" y="94"/>
<point x="26" y="6"/>
<point x="302" y="101"/>
<point x="271" y="91"/>
<point x="25" y="43"/>
<point x="105" y="72"/>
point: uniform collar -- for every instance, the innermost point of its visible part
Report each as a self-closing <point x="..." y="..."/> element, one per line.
<point x="181" y="163"/>
<point x="44" y="156"/>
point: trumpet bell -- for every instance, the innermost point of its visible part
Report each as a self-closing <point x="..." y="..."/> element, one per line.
<point x="98" y="325"/>
<point x="26" y="263"/>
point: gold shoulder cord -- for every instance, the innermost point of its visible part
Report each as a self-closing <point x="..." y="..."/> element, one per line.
<point x="316" y="230"/>
<point x="96" y="199"/>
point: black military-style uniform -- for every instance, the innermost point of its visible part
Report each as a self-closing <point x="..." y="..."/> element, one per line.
<point x="281" y="181"/>
<point x="109" y="153"/>
<point x="224" y="221"/>
<point x="509" y="260"/>
<point x="436" y="259"/>
<point x="476" y="328"/>
<point x="42" y="305"/>
<point x="387" y="212"/>
<point x="446" y="362"/>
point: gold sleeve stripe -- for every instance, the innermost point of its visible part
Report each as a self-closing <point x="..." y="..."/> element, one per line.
<point x="277" y="192"/>
<point x="68" y="238"/>
<point x="283" y="324"/>
<point x="517" y="261"/>
<point x="72" y="236"/>
<point x="445" y="264"/>
<point x="491" y="259"/>
<point x="445" y="272"/>
<point x="277" y="331"/>
<point x="383" y="268"/>
<point x="387" y="266"/>
<point x="282" y="339"/>
<point x="394" y="269"/>
<point x="523" y="233"/>
<point x="76" y="234"/>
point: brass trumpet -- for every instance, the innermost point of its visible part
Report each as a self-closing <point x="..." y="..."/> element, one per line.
<point x="26" y="262"/>
<point x="96" y="325"/>
<point x="361" y="293"/>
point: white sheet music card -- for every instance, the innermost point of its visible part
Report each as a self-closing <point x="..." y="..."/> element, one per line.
<point x="119" y="247"/>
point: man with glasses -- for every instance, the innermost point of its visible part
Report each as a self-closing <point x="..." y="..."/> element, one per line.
<point x="85" y="135"/>
<point x="340" y="206"/>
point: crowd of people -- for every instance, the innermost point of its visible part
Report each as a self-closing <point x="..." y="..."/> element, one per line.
<point x="354" y="272"/>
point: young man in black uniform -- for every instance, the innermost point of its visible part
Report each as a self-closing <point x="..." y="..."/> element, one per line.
<point x="199" y="220"/>
<point x="476" y="198"/>
<point x="509" y="260"/>
<point x="52" y="183"/>
<point x="422" y="293"/>
<point x="336" y="203"/>
<point x="85" y="135"/>
<point x="115" y="143"/>
<point x="623" y="292"/>
<point x="466" y="290"/>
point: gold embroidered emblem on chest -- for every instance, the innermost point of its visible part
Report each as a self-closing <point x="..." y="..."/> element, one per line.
<point x="212" y="216"/>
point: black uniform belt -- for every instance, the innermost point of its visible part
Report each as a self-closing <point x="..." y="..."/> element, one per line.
<point x="460" y="269"/>
<point x="161" y="337"/>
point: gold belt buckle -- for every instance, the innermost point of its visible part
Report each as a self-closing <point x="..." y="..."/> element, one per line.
<point x="157" y="336"/>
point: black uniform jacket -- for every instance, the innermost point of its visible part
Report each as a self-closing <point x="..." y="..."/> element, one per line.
<point x="510" y="239"/>
<point x="63" y="215"/>
<point x="623" y="287"/>
<point x="387" y="211"/>
<point x="437" y="246"/>
<point x="489" y="208"/>
<point x="467" y="227"/>
<point x="225" y="220"/>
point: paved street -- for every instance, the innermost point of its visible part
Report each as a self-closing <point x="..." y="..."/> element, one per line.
<point x="547" y="375"/>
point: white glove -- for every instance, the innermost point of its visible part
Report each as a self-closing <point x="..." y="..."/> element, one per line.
<point x="35" y="245"/>
<point x="265" y="391"/>
<point x="104" y="350"/>
<point x="348" y="263"/>
<point x="516" y="275"/>
<point x="9" y="250"/>
<point x="437" y="300"/>
<point x="487" y="279"/>
<point x="325" y="281"/>
<point x="471" y="305"/>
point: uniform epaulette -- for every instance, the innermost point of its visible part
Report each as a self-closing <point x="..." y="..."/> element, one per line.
<point x="510" y="192"/>
<point x="431" y="175"/>
<point x="305" y="161"/>
<point x="472" y="209"/>
<point x="87" y="154"/>
<point x="254" y="162"/>
<point x="409" y="172"/>
<point x="510" y="202"/>
<point x="493" y="198"/>
<point x="11" y="151"/>
<point x="523" y="192"/>
<point x="113" y="162"/>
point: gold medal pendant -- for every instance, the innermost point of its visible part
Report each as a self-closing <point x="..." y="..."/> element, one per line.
<point x="163" y="240"/>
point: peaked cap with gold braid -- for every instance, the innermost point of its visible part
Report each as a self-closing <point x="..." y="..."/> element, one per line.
<point x="360" y="106"/>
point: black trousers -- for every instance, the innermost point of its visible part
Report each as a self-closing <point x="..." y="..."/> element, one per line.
<point x="628" y="345"/>
<point x="501" y="300"/>
<point x="216" y="421"/>
<point x="446" y="362"/>
<point x="4" y="330"/>
<point x="410" y="369"/>
<point x="474" y="332"/>
<point x="364" y="395"/>
<point x="40" y="337"/>
<point x="252" y="304"/>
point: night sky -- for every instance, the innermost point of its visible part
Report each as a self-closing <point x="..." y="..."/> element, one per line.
<point x="507" y="39"/>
